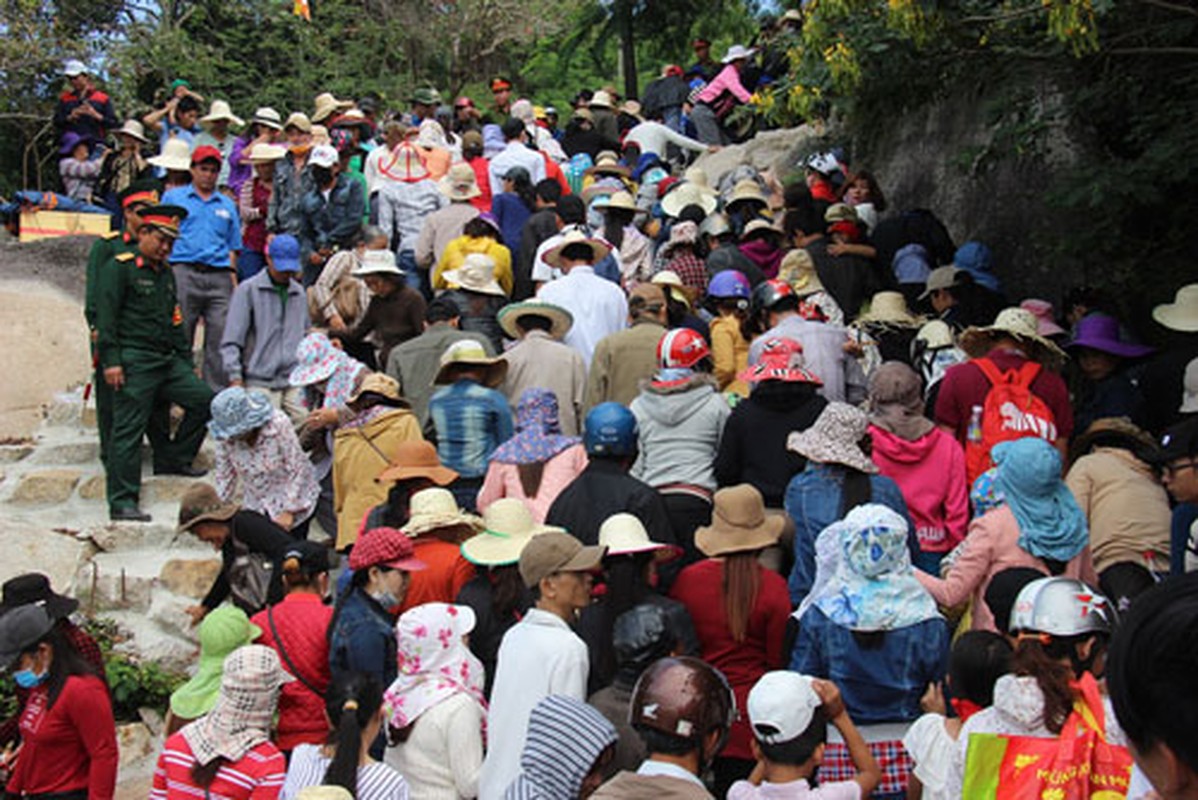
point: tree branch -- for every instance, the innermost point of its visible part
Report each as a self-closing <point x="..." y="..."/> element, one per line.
<point x="1174" y="7"/>
<point x="1154" y="51"/>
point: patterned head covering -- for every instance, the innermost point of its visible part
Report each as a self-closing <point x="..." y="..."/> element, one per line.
<point x="245" y="707"/>
<point x="538" y="431"/>
<point x="984" y="495"/>
<point x="864" y="580"/>
<point x="565" y="738"/>
<point x="434" y="662"/>
<point x="317" y="361"/>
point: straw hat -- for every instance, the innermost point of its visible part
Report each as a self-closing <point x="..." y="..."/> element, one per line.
<point x="632" y="108"/>
<point x="220" y="110"/>
<point x="621" y="200"/>
<point x="460" y="183"/>
<point x="624" y="534"/>
<point x="890" y="307"/>
<point x="553" y="256"/>
<point x="298" y="120"/>
<point x="748" y="190"/>
<point x="267" y="117"/>
<point x="175" y="155"/>
<point x="1112" y="431"/>
<point x="477" y="274"/>
<point x="405" y="164"/>
<point x="689" y="194"/>
<point x="134" y="129"/>
<point x="510" y="315"/>
<point x="1017" y="323"/>
<point x="697" y="176"/>
<point x="375" y="383"/>
<point x="835" y="438"/>
<point x="417" y="459"/>
<point x="326" y="104"/>
<point x="263" y="153"/>
<point x="608" y="163"/>
<point x="601" y="99"/>
<point x="468" y="352"/>
<point x="798" y="270"/>
<point x="758" y="225"/>
<point x="841" y="212"/>
<point x="435" y="508"/>
<point x="739" y="523"/>
<point x="377" y="262"/>
<point x="507" y="527"/>
<point x="1182" y="314"/>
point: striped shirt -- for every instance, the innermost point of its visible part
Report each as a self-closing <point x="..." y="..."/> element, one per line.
<point x="258" y="774"/>
<point x="376" y="781"/>
<point x="471" y="421"/>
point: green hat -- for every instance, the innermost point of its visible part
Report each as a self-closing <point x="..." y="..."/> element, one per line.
<point x="224" y="630"/>
<point x="426" y="95"/>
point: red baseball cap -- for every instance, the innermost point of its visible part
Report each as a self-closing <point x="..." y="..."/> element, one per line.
<point x="204" y="153"/>
<point x="384" y="547"/>
<point x="698" y="43"/>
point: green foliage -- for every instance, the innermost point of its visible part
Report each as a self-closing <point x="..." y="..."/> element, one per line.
<point x="133" y="683"/>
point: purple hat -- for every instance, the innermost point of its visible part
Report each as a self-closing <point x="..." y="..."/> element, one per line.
<point x="71" y="140"/>
<point x="1100" y="332"/>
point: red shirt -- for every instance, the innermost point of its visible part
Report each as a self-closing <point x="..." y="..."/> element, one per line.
<point x="258" y="775"/>
<point x="447" y="572"/>
<point x="742" y="663"/>
<point x="302" y="621"/>
<point x="964" y="386"/>
<point x="482" y="175"/>
<point x="71" y="746"/>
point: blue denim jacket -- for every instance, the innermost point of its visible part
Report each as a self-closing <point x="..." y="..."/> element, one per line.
<point x="363" y="639"/>
<point x="879" y="684"/>
<point x="813" y="500"/>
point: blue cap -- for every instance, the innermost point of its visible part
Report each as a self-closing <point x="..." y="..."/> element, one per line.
<point x="284" y="252"/>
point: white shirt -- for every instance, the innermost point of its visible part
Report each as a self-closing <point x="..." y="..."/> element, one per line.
<point x="443" y="752"/>
<point x="308" y="765"/>
<point x="516" y="154"/>
<point x="372" y="168"/>
<point x="653" y="138"/>
<point x="823" y="354"/>
<point x="598" y="306"/>
<point x="538" y="656"/>
<point x="652" y="768"/>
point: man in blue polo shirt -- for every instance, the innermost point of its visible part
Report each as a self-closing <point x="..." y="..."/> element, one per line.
<point x="205" y="257"/>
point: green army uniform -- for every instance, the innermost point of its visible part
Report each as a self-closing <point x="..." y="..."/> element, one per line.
<point x="140" y="328"/>
<point x="103" y="251"/>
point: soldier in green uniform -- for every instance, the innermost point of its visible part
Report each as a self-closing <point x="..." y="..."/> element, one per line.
<point x="133" y="199"/>
<point x="146" y="360"/>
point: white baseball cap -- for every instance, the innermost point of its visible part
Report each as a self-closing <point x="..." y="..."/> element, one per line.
<point x="781" y="706"/>
<point x="73" y="67"/>
<point x="323" y="155"/>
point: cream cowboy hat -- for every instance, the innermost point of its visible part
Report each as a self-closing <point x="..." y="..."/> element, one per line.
<point x="1018" y="323"/>
<point x="460" y="183"/>
<point x="747" y="189"/>
<point x="890" y="307"/>
<point x="175" y="155"/>
<point x="477" y="274"/>
<point x="434" y="508"/>
<point x="553" y="257"/>
<point x="507" y="527"/>
<point x="377" y="262"/>
<point x="739" y="523"/>
<point x="1182" y="314"/>
<point x="621" y="200"/>
<point x="220" y="110"/>
<point x="688" y="194"/>
<point x="326" y="104"/>
<point x="510" y="315"/>
<point x="470" y="353"/>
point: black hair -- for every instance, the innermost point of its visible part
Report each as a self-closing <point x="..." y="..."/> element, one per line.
<point x="857" y="490"/>
<point x="799" y="750"/>
<point x="522" y="186"/>
<point x="441" y="309"/>
<point x="512" y="128"/>
<point x="187" y="103"/>
<point x="795" y="195"/>
<point x="352" y="701"/>
<point x="507" y="592"/>
<point x="548" y="190"/>
<point x="298" y="575"/>
<point x="875" y="190"/>
<point x="977" y="661"/>
<point x="578" y="251"/>
<point x="627" y="587"/>
<point x="1150" y="672"/>
<point x="692" y="213"/>
<point x="614" y="222"/>
<point x="479" y="227"/>
<point x="66" y="662"/>
<point x="571" y="210"/>
<point x="534" y="322"/>
<point x="665" y="743"/>
<point x="1002" y="591"/>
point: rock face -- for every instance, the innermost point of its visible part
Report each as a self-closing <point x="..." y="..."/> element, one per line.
<point x="31" y="547"/>
<point x="46" y="487"/>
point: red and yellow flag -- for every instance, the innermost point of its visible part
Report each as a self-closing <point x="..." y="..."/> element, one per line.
<point x="302" y="9"/>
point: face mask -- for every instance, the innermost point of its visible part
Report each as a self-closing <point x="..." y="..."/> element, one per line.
<point x="27" y="678"/>
<point x="385" y="599"/>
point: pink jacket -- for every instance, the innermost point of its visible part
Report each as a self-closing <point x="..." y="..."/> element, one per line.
<point x="728" y="79"/>
<point x="930" y="472"/>
<point x="503" y="480"/>
<point x="992" y="546"/>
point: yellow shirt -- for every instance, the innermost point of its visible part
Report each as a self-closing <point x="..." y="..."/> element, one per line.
<point x="730" y="354"/>
<point x="455" y="255"/>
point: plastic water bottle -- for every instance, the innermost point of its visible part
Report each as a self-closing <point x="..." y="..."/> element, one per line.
<point x="974" y="432"/>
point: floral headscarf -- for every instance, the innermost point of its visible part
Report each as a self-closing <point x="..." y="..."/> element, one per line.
<point x="864" y="580"/>
<point x="984" y="495"/>
<point x="538" y="431"/>
<point x="434" y="662"/>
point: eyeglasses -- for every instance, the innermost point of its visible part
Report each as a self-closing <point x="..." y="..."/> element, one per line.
<point x="1170" y="470"/>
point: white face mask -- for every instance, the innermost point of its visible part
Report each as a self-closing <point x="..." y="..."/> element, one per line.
<point x="385" y="599"/>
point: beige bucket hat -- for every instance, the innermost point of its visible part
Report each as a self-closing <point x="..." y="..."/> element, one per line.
<point x="220" y="110"/>
<point x="739" y="523"/>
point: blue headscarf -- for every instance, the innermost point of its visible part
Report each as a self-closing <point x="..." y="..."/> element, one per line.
<point x="1051" y="524"/>
<point x="978" y="260"/>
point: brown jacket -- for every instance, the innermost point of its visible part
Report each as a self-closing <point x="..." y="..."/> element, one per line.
<point x="360" y="453"/>
<point x="621" y="361"/>
<point x="630" y="786"/>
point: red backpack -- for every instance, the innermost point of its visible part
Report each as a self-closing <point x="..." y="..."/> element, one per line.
<point x="1010" y="411"/>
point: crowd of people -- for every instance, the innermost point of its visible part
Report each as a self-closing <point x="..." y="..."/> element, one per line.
<point x="554" y="470"/>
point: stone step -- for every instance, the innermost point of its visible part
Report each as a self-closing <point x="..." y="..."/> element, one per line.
<point x="132" y="580"/>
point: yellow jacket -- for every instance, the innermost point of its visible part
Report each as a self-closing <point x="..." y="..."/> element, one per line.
<point x="457" y="250"/>
<point x="360" y="453"/>
<point x="730" y="354"/>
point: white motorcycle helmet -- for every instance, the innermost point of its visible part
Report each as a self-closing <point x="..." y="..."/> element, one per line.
<point x="1062" y="607"/>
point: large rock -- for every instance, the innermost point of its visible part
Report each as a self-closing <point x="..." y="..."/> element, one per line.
<point x="14" y="452"/>
<point x="189" y="577"/>
<point x="46" y="487"/>
<point x="67" y="453"/>
<point x="769" y="150"/>
<point x="151" y="641"/>
<point x="134" y="742"/>
<point x="28" y="547"/>
<point x="94" y="488"/>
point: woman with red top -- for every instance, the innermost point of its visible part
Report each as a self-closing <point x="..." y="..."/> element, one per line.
<point x="437" y="528"/>
<point x="227" y="754"/>
<point x="297" y="630"/>
<point x="68" y="739"/>
<point x="741" y="636"/>
<point x="253" y="201"/>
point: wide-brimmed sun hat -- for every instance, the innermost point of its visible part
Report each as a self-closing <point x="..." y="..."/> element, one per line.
<point x="737" y="52"/>
<point x="747" y="190"/>
<point x="221" y="111"/>
<point x="298" y="120"/>
<point x="891" y="308"/>
<point x="739" y="523"/>
<point x="175" y="156"/>
<point x="315" y="360"/>
<point x="688" y="194"/>
<point x="201" y="503"/>
<point x="835" y="438"/>
<point x="34" y="587"/>
<point x="507" y="527"/>
<point x="608" y="163"/>
<point x="460" y="183"/>
<point x="599" y="249"/>
<point x="430" y="509"/>
<point x="262" y="153"/>
<point x="561" y="320"/>
<point x="267" y="117"/>
<point x="134" y="129"/>
<point x="1101" y="332"/>
<point x="417" y="459"/>
<point x="470" y="352"/>
<point x="1016" y="323"/>
<point x="624" y="534"/>
<point x="1182" y="314"/>
<point x="1042" y="309"/>
<point x="377" y="262"/>
<point x="326" y="105"/>
<point x="622" y="201"/>
<point x="477" y="274"/>
<point x="236" y="411"/>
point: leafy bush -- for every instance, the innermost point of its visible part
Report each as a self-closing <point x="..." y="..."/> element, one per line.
<point x="132" y="682"/>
